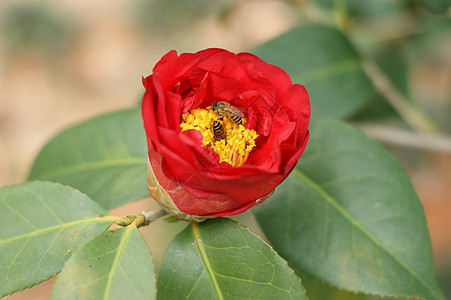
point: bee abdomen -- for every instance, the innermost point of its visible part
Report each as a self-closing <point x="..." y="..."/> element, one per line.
<point x="236" y="119"/>
<point x="218" y="130"/>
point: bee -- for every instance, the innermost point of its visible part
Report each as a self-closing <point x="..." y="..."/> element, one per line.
<point x="218" y="130"/>
<point x="224" y="109"/>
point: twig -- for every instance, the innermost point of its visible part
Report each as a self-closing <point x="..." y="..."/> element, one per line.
<point x="154" y="214"/>
<point x="408" y="111"/>
<point x="306" y="10"/>
<point x="402" y="137"/>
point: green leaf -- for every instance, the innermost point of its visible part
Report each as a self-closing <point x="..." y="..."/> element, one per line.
<point x="114" y="265"/>
<point x="220" y="259"/>
<point x="105" y="157"/>
<point x="377" y="110"/>
<point x="317" y="290"/>
<point x="42" y="224"/>
<point x="348" y="215"/>
<point x="436" y="6"/>
<point x="322" y="59"/>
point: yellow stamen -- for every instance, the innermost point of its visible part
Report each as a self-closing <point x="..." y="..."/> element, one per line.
<point x="237" y="145"/>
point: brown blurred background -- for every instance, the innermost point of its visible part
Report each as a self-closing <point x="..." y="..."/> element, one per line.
<point x="62" y="62"/>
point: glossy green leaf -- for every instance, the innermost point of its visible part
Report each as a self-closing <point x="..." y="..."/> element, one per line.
<point x="41" y="225"/>
<point x="348" y="215"/>
<point x="436" y="6"/>
<point x="105" y="157"/>
<point x="220" y="259"/>
<point x="322" y="59"/>
<point x="317" y="290"/>
<point x="114" y="265"/>
<point x="376" y="111"/>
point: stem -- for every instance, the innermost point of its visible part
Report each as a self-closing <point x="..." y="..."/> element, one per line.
<point x="341" y="14"/>
<point x="154" y="214"/>
<point x="397" y="136"/>
<point x="411" y="114"/>
<point x="143" y="219"/>
<point x="139" y="221"/>
<point x="306" y="10"/>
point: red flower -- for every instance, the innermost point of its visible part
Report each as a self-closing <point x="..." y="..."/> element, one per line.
<point x="195" y="170"/>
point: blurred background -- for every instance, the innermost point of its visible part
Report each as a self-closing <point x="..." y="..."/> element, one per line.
<point x="62" y="62"/>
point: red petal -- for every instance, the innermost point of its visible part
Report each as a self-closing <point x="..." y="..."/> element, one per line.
<point x="172" y="69"/>
<point x="216" y="87"/>
<point x="149" y="116"/>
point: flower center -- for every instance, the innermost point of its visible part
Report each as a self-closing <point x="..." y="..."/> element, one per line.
<point x="232" y="142"/>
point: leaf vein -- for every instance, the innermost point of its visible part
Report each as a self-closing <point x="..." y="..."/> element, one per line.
<point x="203" y="254"/>
<point x="115" y="264"/>
<point x="333" y="202"/>
<point x="30" y="234"/>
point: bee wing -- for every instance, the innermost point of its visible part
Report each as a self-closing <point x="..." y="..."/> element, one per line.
<point x="235" y="111"/>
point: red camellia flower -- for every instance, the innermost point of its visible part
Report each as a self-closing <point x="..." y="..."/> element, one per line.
<point x="223" y="131"/>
